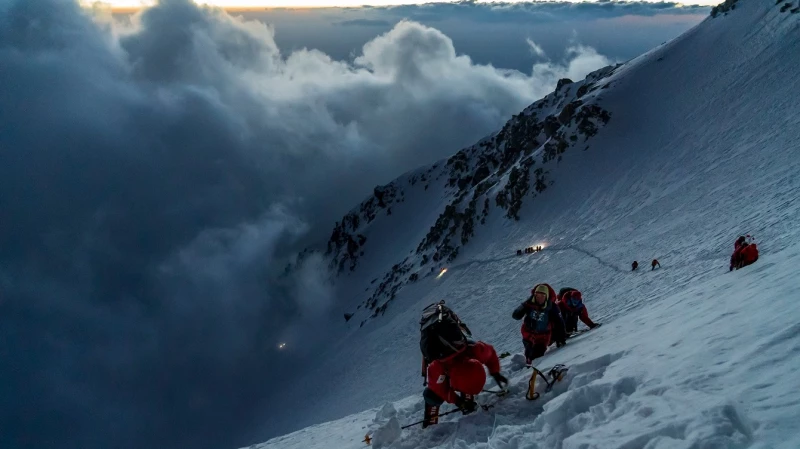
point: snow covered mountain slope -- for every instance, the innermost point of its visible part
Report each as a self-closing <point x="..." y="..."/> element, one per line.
<point x="691" y="144"/>
<point x="689" y="371"/>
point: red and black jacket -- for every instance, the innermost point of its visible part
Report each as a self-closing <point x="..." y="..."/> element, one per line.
<point x="541" y="323"/>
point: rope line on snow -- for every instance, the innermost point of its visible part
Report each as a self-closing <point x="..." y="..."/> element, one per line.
<point x="592" y="255"/>
<point x="599" y="259"/>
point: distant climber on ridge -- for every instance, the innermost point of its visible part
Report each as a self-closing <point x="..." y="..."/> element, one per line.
<point x="745" y="252"/>
<point x="455" y="363"/>
<point x="572" y="308"/>
<point x="654" y="264"/>
<point x="542" y="322"/>
<point x="634" y="265"/>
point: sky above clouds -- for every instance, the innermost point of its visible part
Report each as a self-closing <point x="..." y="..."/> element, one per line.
<point x="155" y="170"/>
<point x="340" y="3"/>
<point x="492" y="34"/>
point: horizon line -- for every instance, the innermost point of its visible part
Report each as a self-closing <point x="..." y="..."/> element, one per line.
<point x="91" y="4"/>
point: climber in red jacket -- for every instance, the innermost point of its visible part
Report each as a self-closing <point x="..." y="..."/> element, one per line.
<point x="573" y="308"/>
<point x="745" y="252"/>
<point x="542" y="322"/>
<point x="458" y="378"/>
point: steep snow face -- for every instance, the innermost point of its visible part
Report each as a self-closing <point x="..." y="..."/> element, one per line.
<point x="701" y="145"/>
<point x="457" y="195"/>
<point x="708" y="367"/>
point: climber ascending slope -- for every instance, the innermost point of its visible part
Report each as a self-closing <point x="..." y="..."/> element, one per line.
<point x="455" y="372"/>
<point x="572" y="308"/>
<point x="745" y="252"/>
<point x="542" y="322"/>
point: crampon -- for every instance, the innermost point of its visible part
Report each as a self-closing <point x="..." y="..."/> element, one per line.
<point x="555" y="374"/>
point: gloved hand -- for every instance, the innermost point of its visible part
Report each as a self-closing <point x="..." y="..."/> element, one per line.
<point x="467" y="406"/>
<point x="501" y="380"/>
<point x="561" y="343"/>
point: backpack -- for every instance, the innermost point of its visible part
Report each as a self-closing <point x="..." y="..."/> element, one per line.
<point x="442" y="334"/>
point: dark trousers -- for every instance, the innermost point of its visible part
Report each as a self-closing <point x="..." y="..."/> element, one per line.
<point x="432" y="398"/>
<point x="571" y="323"/>
<point x="534" y="349"/>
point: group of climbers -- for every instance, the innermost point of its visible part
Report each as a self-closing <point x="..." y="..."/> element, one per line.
<point x="548" y="318"/>
<point x="653" y="265"/>
<point x="453" y="363"/>
<point x="530" y="250"/>
<point x="745" y="252"/>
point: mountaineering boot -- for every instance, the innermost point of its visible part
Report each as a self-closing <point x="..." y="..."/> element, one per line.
<point x="467" y="403"/>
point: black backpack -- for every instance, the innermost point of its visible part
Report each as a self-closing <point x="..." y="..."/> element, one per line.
<point x="442" y="333"/>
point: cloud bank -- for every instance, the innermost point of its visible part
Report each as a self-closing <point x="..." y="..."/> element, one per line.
<point x="152" y="177"/>
<point x="492" y="33"/>
<point x="540" y="12"/>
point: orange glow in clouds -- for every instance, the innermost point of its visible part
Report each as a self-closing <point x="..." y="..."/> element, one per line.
<point x="261" y="4"/>
<point x="254" y="4"/>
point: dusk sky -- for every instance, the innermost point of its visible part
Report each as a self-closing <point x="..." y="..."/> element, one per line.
<point x="160" y="166"/>
<point x="324" y="3"/>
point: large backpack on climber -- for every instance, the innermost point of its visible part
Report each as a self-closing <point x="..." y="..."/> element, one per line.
<point x="442" y="333"/>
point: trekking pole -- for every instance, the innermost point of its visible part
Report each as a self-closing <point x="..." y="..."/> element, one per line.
<point x="501" y="393"/>
<point x="484" y="407"/>
<point x="437" y="416"/>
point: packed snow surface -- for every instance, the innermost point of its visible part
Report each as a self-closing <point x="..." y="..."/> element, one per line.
<point x="703" y="146"/>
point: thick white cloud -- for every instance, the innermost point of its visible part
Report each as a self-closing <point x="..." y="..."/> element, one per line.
<point x="581" y="60"/>
<point x="406" y="100"/>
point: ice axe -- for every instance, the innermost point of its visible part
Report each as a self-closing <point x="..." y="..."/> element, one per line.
<point x="556" y="374"/>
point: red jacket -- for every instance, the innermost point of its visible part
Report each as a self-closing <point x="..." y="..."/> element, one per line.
<point x="748" y="254"/>
<point x="438" y="379"/>
<point x="583" y="314"/>
<point x="553" y="322"/>
<point x="744" y="255"/>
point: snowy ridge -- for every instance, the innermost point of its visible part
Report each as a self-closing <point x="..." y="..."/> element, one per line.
<point x="494" y="174"/>
<point x="679" y="383"/>
<point x="702" y="146"/>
